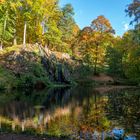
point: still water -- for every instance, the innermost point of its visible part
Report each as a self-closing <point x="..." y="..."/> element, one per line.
<point x="70" y="111"/>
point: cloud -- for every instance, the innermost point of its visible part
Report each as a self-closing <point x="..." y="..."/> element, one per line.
<point x="79" y="13"/>
<point x="126" y="26"/>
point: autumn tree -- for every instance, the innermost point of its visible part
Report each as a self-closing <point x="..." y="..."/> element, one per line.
<point x="52" y="34"/>
<point x="94" y="40"/>
<point x="32" y="21"/>
<point x="85" y="46"/>
<point x="102" y="31"/>
<point x="31" y="16"/>
<point x="25" y="10"/>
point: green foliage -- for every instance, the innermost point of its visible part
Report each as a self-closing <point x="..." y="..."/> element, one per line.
<point x="114" y="61"/>
<point x="67" y="22"/>
<point x="60" y="126"/>
<point x="132" y="70"/>
<point x="6" y="79"/>
<point x="22" y="67"/>
<point x="53" y="35"/>
<point x="134" y="11"/>
<point x="7" y="14"/>
<point x="50" y="25"/>
<point x="29" y="79"/>
<point x="68" y="28"/>
<point x="131" y="49"/>
<point x="36" y="74"/>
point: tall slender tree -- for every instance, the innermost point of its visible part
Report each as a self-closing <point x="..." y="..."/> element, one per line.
<point x="8" y="17"/>
<point x="67" y="26"/>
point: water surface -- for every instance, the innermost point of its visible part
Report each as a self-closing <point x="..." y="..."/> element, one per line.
<point x="69" y="111"/>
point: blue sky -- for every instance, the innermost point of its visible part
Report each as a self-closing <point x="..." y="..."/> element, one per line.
<point x="87" y="10"/>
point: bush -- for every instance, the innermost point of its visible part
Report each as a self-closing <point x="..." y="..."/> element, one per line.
<point x="7" y="79"/>
<point x="35" y="74"/>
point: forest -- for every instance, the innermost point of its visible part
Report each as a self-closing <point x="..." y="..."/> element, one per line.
<point x="95" y="49"/>
<point x="43" y="48"/>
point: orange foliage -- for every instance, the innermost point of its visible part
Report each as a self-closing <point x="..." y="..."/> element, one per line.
<point x="2" y="1"/>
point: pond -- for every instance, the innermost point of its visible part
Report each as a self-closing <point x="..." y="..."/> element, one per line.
<point x="71" y="111"/>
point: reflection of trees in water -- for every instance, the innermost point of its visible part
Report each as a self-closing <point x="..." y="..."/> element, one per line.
<point x="87" y="114"/>
<point x="17" y="109"/>
<point x="93" y="115"/>
<point x="62" y="110"/>
<point x="59" y="104"/>
<point x="57" y="97"/>
<point x="124" y="107"/>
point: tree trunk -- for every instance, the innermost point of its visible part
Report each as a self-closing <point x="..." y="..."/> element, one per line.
<point x="24" y="35"/>
<point x="96" y="59"/>
<point x="3" y="36"/>
<point x="103" y="136"/>
<point x="5" y="22"/>
<point x="15" y="38"/>
<point x="13" y="126"/>
<point x="15" y="41"/>
<point x="0" y="124"/>
<point x="1" y="46"/>
<point x="22" y="126"/>
<point x="96" y="109"/>
<point x="43" y="28"/>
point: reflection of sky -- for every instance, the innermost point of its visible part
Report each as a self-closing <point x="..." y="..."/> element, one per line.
<point x="114" y="10"/>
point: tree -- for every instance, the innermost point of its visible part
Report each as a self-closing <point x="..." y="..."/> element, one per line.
<point x="85" y="46"/>
<point x="8" y="10"/>
<point x="52" y="33"/>
<point x="114" y="58"/>
<point x="134" y="10"/>
<point x="102" y="31"/>
<point x="102" y="25"/>
<point x="131" y="60"/>
<point x="94" y="40"/>
<point x="25" y="11"/>
<point x="66" y="23"/>
<point x="33" y="14"/>
<point x="67" y="26"/>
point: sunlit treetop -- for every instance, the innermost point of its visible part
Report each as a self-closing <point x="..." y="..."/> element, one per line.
<point x="101" y="24"/>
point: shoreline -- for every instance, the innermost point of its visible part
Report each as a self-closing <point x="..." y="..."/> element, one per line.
<point x="108" y="88"/>
<point x="10" y="136"/>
